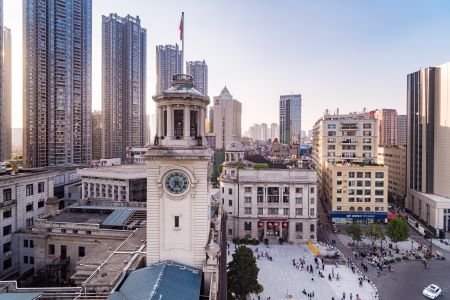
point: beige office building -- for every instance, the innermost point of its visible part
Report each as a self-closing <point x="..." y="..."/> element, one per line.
<point x="227" y="119"/>
<point x="394" y="157"/>
<point x="350" y="182"/>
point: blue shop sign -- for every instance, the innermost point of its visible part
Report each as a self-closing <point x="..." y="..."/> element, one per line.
<point x="359" y="215"/>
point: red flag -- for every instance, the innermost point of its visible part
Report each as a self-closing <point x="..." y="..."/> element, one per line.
<point x="181" y="26"/>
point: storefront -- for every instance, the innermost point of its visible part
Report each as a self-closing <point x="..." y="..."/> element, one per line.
<point x="358" y="218"/>
<point x="273" y="228"/>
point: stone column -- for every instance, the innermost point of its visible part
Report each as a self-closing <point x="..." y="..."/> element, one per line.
<point x="169" y="121"/>
<point x="160" y="116"/>
<point x="265" y="229"/>
<point x="201" y="124"/>
<point x="187" y="122"/>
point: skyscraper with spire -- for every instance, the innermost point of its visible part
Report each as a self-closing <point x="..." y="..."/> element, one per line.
<point x="227" y="119"/>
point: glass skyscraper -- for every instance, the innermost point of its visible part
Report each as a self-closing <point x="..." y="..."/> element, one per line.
<point x="290" y="119"/>
<point x="57" y="82"/>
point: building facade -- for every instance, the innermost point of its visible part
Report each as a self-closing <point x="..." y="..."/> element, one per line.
<point x="24" y="197"/>
<point x="123" y="84"/>
<point x="169" y="61"/>
<point x="428" y="170"/>
<point x="96" y="135"/>
<point x="274" y="131"/>
<point x="268" y="203"/>
<point x="401" y="129"/>
<point x="345" y="145"/>
<point x="5" y="97"/>
<point x="290" y="119"/>
<point x="57" y="82"/>
<point x="227" y="119"/>
<point x="394" y="157"/>
<point x="126" y="183"/>
<point x="199" y="72"/>
<point x="387" y="126"/>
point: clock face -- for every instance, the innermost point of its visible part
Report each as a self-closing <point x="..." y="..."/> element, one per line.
<point x="176" y="182"/>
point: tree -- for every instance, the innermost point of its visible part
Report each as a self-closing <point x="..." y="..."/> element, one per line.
<point x="355" y="232"/>
<point x="374" y="233"/>
<point x="242" y="273"/>
<point x="397" y="230"/>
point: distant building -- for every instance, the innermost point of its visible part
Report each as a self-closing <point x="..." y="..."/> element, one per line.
<point x="274" y="131"/>
<point x="57" y="86"/>
<point x="124" y="85"/>
<point x="394" y="157"/>
<point x="169" y="61"/>
<point x="256" y="132"/>
<point x="264" y="134"/>
<point x="290" y="119"/>
<point x="227" y="119"/>
<point x="428" y="144"/>
<point x="5" y="97"/>
<point x="96" y="134"/>
<point x="401" y="129"/>
<point x="199" y="72"/>
<point x="263" y="202"/>
<point x="387" y="126"/>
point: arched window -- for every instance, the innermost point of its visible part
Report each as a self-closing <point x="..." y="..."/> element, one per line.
<point x="352" y="208"/>
<point x="360" y="208"/>
<point x="367" y="208"/>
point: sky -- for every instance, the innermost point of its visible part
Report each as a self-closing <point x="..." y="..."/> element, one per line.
<point x="347" y="54"/>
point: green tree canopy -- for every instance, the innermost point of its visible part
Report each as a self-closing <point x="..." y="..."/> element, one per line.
<point x="242" y="273"/>
<point x="355" y="232"/>
<point x="397" y="230"/>
<point x="375" y="233"/>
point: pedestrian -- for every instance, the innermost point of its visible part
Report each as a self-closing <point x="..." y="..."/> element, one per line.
<point x="351" y="296"/>
<point x="343" y="295"/>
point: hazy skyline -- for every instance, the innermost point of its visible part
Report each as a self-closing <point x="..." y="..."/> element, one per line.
<point x="346" y="54"/>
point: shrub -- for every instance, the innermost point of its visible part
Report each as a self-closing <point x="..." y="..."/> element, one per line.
<point x="255" y="241"/>
<point x="281" y="241"/>
<point x="235" y="240"/>
<point x="426" y="256"/>
<point x="417" y="257"/>
<point x="387" y="261"/>
<point x="405" y="258"/>
<point x="398" y="259"/>
<point x="260" y="288"/>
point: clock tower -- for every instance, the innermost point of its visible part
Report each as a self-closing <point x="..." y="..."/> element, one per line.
<point x="178" y="177"/>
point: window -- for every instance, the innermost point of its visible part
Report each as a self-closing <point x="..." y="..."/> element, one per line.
<point x="379" y="192"/>
<point x="367" y="199"/>
<point x="75" y="231"/>
<point x="248" y="199"/>
<point x="367" y="126"/>
<point x="379" y="175"/>
<point x="311" y="200"/>
<point x="51" y="249"/>
<point x="7" y="213"/>
<point x="6" y="247"/>
<point x="367" y="192"/>
<point x="272" y="211"/>
<point x="311" y="211"/>
<point x="230" y="202"/>
<point x="286" y="211"/>
<point x="379" y="183"/>
<point x="25" y="243"/>
<point x="248" y="210"/>
<point x="25" y="259"/>
<point x="29" y="189"/>
<point x="298" y="211"/>
<point x="359" y="174"/>
<point x="339" y="191"/>
<point x="230" y="231"/>
<point x="40" y="187"/>
<point x="88" y="232"/>
<point x="379" y="200"/>
<point x="298" y="200"/>
<point x="247" y="225"/>
<point x="311" y="190"/>
<point x="177" y="222"/>
<point x="338" y="199"/>
<point x="63" y="230"/>
<point x="248" y="189"/>
<point x="7" y="195"/>
<point x="311" y="227"/>
<point x="30" y="222"/>
<point x="299" y="190"/>
<point x="339" y="173"/>
<point x="29" y="206"/>
<point x="359" y="183"/>
<point x="339" y="182"/>
<point x="223" y="190"/>
<point x="351" y="174"/>
<point x="339" y="207"/>
<point x="230" y="192"/>
<point x="32" y="260"/>
<point x="367" y="174"/>
<point x="367" y="183"/>
<point x="7" y="230"/>
<point x="299" y="227"/>
<point x="367" y="208"/>
<point x="41" y="203"/>
<point x="7" y="263"/>
<point x="351" y="191"/>
<point x="331" y="126"/>
<point x="351" y="199"/>
<point x="31" y="244"/>
<point x="81" y="251"/>
<point x="260" y="211"/>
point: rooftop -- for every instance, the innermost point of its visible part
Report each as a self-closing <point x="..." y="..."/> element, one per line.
<point x="19" y="296"/>
<point x="119" y="172"/>
<point x="78" y="217"/>
<point x="164" y="280"/>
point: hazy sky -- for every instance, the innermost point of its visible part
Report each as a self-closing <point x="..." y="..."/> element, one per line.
<point x="346" y="54"/>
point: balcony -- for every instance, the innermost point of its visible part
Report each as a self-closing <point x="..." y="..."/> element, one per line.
<point x="349" y="127"/>
<point x="348" y="155"/>
<point x="7" y="203"/>
<point x="349" y="142"/>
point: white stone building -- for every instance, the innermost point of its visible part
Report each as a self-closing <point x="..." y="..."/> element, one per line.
<point x="262" y="202"/>
<point x="23" y="198"/>
<point x="125" y="183"/>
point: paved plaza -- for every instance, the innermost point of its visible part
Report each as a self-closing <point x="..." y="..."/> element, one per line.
<point x="281" y="278"/>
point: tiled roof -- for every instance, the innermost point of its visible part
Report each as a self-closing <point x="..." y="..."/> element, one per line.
<point x="164" y="280"/>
